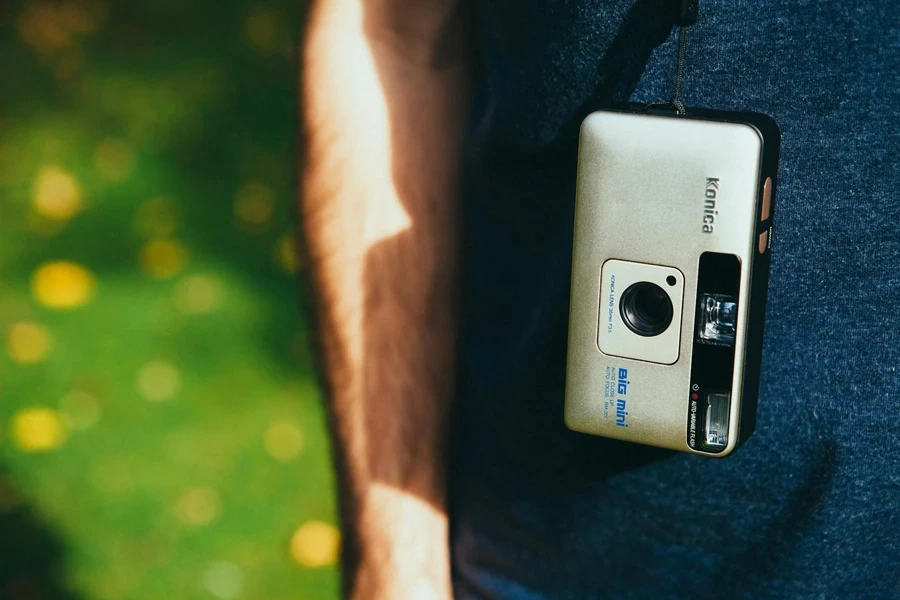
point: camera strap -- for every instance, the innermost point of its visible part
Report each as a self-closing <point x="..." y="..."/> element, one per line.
<point x="685" y="16"/>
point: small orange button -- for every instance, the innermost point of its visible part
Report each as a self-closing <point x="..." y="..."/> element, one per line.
<point x="763" y="241"/>
<point x="766" y="200"/>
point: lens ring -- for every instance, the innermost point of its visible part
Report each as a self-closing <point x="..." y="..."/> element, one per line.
<point x="646" y="309"/>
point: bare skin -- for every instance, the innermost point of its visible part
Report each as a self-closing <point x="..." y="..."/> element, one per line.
<point x="384" y="100"/>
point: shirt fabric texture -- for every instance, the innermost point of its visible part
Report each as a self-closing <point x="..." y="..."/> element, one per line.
<point x="808" y="507"/>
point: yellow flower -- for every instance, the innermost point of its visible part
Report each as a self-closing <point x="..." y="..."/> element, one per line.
<point x="315" y="544"/>
<point x="161" y="259"/>
<point x="283" y="441"/>
<point x="56" y="194"/>
<point x="28" y="343"/>
<point x="62" y="285"/>
<point x="37" y="430"/>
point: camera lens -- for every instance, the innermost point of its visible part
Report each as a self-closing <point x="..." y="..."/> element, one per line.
<point x="646" y="309"/>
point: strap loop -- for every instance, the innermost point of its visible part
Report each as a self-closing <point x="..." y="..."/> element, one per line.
<point x="679" y="73"/>
<point x="687" y="12"/>
<point x="685" y="16"/>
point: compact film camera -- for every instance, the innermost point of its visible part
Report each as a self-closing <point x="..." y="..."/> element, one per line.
<point x="670" y="269"/>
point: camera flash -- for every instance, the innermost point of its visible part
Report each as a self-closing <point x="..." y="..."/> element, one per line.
<point x="716" y="434"/>
<point x="718" y="318"/>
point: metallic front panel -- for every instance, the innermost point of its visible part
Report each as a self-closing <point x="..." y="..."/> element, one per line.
<point x="640" y="198"/>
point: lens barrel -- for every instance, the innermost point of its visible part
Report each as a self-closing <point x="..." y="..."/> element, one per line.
<point x="646" y="309"/>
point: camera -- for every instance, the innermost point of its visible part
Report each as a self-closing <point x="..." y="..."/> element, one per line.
<point x="670" y="269"/>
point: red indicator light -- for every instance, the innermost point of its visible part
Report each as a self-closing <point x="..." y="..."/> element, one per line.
<point x="694" y="395"/>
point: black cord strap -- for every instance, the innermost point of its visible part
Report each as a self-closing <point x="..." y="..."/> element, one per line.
<point x="687" y="12"/>
<point x="679" y="72"/>
<point x="685" y="16"/>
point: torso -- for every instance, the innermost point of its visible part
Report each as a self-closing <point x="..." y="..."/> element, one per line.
<point x="809" y="506"/>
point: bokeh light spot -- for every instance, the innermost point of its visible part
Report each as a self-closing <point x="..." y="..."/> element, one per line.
<point x="283" y="441"/>
<point x="113" y="160"/>
<point x="265" y="31"/>
<point x="285" y="253"/>
<point x="28" y="343"/>
<point x="198" y="506"/>
<point x="254" y="204"/>
<point x="37" y="430"/>
<point x="80" y="410"/>
<point x="198" y="295"/>
<point x="224" y="580"/>
<point x="316" y="544"/>
<point x="56" y="194"/>
<point x="49" y="27"/>
<point x="162" y="259"/>
<point x="62" y="285"/>
<point x="158" y="381"/>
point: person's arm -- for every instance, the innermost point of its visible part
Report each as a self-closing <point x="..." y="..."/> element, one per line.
<point x="384" y="100"/>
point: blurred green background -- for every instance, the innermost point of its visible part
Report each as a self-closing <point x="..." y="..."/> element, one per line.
<point x="161" y="434"/>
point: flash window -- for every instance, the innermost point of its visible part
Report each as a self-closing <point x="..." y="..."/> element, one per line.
<point x="718" y="318"/>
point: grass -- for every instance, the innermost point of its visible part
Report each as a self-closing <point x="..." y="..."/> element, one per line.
<point x="160" y="430"/>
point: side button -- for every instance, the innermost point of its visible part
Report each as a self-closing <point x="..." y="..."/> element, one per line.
<point x="766" y="200"/>
<point x="763" y="241"/>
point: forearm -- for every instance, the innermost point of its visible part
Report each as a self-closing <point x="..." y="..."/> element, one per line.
<point x="383" y="109"/>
